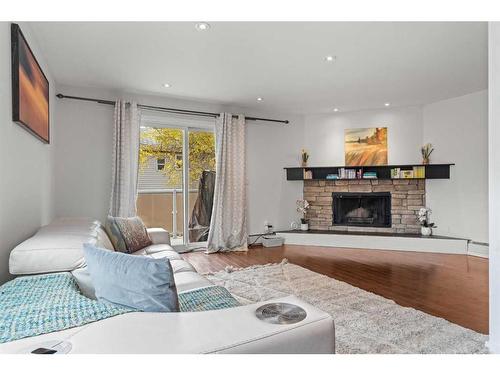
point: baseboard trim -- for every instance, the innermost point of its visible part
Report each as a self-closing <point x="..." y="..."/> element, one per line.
<point x="419" y="244"/>
<point x="493" y="347"/>
<point x="478" y="249"/>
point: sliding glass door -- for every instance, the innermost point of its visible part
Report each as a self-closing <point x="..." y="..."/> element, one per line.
<point x="175" y="184"/>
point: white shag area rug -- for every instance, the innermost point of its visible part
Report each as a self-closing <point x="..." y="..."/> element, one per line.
<point x="364" y="322"/>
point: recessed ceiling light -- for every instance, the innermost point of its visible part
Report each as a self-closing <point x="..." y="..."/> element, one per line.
<point x="330" y="58"/>
<point x="202" y="26"/>
<point x="259" y="99"/>
<point x="335" y="110"/>
<point x="387" y="104"/>
<point x="167" y="85"/>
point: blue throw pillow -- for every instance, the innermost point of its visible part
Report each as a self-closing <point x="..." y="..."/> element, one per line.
<point x="134" y="281"/>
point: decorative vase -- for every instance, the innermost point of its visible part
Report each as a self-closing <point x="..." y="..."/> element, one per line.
<point x="304" y="226"/>
<point x="426" y="231"/>
<point x="425" y="161"/>
<point x="304" y="164"/>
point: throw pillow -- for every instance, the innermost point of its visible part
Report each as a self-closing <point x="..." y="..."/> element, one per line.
<point x="128" y="234"/>
<point x="138" y="282"/>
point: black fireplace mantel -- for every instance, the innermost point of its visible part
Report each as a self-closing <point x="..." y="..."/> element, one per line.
<point x="432" y="171"/>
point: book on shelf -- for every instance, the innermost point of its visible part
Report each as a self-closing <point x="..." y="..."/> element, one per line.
<point x="349" y="173"/>
<point x="395" y="172"/>
<point x="370" y="175"/>
<point x="415" y="172"/>
<point x="406" y="174"/>
<point x="332" y="176"/>
<point x="419" y="171"/>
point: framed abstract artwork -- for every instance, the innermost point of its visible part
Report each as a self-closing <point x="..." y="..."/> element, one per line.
<point x="30" y="88"/>
<point x="365" y="146"/>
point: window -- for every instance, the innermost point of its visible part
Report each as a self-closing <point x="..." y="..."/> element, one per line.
<point x="160" y="164"/>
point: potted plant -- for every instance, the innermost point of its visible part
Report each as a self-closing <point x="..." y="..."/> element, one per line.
<point x="424" y="219"/>
<point x="426" y="151"/>
<point x="302" y="207"/>
<point x="304" y="157"/>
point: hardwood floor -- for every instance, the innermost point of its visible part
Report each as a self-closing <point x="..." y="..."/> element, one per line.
<point x="454" y="287"/>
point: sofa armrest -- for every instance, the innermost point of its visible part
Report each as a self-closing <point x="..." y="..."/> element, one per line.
<point x="233" y="330"/>
<point x="159" y="236"/>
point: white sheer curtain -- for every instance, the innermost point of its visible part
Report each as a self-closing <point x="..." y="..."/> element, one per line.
<point x="125" y="160"/>
<point x="228" y="226"/>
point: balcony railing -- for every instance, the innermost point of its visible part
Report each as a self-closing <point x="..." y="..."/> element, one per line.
<point x="162" y="208"/>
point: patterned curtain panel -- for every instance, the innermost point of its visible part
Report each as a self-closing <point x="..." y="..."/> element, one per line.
<point x="125" y="160"/>
<point x="228" y="226"/>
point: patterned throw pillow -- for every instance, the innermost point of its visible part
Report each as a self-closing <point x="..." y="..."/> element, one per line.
<point x="128" y="234"/>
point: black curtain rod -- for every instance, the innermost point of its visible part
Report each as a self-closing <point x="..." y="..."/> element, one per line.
<point x="166" y="109"/>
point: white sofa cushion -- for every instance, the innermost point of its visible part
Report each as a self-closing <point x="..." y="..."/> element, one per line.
<point x="180" y="265"/>
<point x="159" y="235"/>
<point x="155" y="248"/>
<point x="103" y="240"/>
<point x="74" y="225"/>
<point x="48" y="253"/>
<point x="166" y="250"/>
<point x="186" y="281"/>
<point x="57" y="247"/>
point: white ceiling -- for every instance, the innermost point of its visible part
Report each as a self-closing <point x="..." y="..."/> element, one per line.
<point x="404" y="63"/>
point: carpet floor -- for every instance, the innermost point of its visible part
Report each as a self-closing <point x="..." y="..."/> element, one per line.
<point x="364" y="322"/>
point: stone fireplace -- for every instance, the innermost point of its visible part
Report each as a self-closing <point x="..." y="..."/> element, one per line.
<point x="374" y="205"/>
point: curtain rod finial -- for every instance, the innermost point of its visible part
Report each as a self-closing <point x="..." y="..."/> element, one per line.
<point x="60" y="96"/>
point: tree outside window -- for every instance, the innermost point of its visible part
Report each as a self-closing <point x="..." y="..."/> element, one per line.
<point x="166" y="144"/>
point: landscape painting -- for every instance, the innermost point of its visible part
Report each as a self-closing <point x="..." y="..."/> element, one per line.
<point x="30" y="88"/>
<point x="365" y="146"/>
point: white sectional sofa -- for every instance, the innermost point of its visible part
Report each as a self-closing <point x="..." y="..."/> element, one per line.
<point x="58" y="247"/>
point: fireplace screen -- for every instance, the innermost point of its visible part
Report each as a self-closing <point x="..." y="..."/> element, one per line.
<point x="362" y="209"/>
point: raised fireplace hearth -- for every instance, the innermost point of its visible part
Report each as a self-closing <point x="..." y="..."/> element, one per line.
<point x="362" y="209"/>
<point x="406" y="197"/>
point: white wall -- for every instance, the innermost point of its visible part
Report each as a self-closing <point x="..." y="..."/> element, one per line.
<point x="494" y="184"/>
<point x="271" y="197"/>
<point x="458" y="130"/>
<point x="83" y="158"/>
<point x="83" y="167"/>
<point x="26" y="173"/>
<point x="324" y="134"/>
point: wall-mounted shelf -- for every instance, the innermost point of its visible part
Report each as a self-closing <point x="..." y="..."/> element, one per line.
<point x="383" y="172"/>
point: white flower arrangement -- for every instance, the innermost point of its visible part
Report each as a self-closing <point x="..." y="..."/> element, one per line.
<point x="302" y="207"/>
<point x="424" y="217"/>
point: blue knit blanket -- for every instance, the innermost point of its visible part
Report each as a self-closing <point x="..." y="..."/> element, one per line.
<point x="209" y="298"/>
<point x="36" y="305"/>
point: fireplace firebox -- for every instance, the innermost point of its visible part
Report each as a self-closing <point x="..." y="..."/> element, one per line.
<point x="362" y="209"/>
